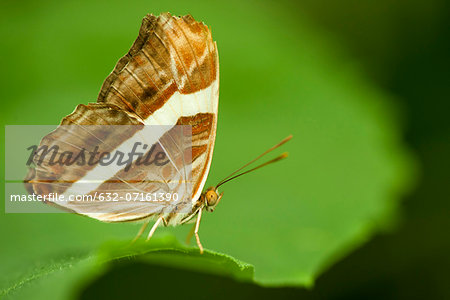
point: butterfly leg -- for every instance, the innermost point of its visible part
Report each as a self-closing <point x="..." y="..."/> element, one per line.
<point x="141" y="231"/>
<point x="190" y="234"/>
<point x="152" y="231"/>
<point x="197" y="225"/>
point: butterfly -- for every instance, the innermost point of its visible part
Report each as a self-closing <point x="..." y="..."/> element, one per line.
<point x="170" y="79"/>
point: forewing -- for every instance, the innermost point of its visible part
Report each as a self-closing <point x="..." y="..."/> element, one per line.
<point x="171" y="76"/>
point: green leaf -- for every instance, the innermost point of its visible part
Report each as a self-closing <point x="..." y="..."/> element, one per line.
<point x="56" y="279"/>
<point x="168" y="252"/>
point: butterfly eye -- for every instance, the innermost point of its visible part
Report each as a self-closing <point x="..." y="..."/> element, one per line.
<point x="211" y="198"/>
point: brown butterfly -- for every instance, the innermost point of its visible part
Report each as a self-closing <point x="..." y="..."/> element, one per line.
<point x="169" y="78"/>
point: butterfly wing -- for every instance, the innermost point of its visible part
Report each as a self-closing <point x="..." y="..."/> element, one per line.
<point x="169" y="77"/>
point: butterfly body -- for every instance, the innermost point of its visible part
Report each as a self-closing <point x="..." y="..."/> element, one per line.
<point x="207" y="201"/>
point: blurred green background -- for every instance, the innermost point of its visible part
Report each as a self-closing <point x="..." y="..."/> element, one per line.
<point x="360" y="208"/>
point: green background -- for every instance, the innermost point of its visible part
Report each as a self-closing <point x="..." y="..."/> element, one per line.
<point x="361" y="86"/>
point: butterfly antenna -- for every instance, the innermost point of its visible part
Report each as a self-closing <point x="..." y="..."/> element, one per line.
<point x="278" y="158"/>
<point x="284" y="155"/>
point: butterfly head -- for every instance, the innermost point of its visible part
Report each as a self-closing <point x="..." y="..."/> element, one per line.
<point x="211" y="198"/>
